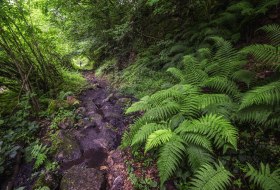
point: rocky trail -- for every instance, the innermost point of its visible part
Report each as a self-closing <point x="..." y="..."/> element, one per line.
<point x="89" y="156"/>
<point x="88" y="153"/>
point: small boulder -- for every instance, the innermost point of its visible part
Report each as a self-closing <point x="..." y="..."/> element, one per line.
<point x="124" y="101"/>
<point x="78" y="178"/>
<point x="69" y="150"/>
<point x="80" y="111"/>
<point x="118" y="183"/>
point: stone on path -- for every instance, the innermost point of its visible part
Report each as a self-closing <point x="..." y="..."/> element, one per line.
<point x="80" y="178"/>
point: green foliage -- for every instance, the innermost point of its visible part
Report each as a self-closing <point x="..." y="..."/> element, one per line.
<point x="264" y="178"/>
<point x="39" y="153"/>
<point x="264" y="53"/>
<point x="211" y="177"/>
<point x="170" y="156"/>
<point x="272" y="33"/>
<point x="264" y="95"/>
<point x="195" y="118"/>
<point x="158" y="138"/>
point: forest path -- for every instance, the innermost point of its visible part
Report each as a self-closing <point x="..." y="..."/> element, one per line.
<point x="89" y="155"/>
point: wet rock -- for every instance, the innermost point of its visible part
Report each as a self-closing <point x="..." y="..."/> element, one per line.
<point x="95" y="157"/>
<point x="111" y="96"/>
<point x="96" y="119"/>
<point x="110" y="111"/>
<point x="118" y="183"/>
<point x="124" y="101"/>
<point x="80" y="111"/>
<point x="80" y="178"/>
<point x="72" y="101"/>
<point x="69" y="151"/>
<point x="46" y="179"/>
<point x="66" y="123"/>
<point x="93" y="137"/>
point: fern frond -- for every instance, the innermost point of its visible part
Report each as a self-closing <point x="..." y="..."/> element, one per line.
<point x="193" y="74"/>
<point x="264" y="53"/>
<point x="245" y="76"/>
<point x="158" y="138"/>
<point x="206" y="100"/>
<point x="268" y="95"/>
<point x="222" y="85"/>
<point x="273" y="32"/>
<point x="197" y="139"/>
<point x="173" y="93"/>
<point x="244" y="7"/>
<point x="204" y="53"/>
<point x="209" y="177"/>
<point x="141" y="105"/>
<point x="162" y="112"/>
<point x="177" y="74"/>
<point x="264" y="178"/>
<point x="170" y="157"/>
<point x="265" y="5"/>
<point x="144" y="132"/>
<point x="257" y="114"/>
<point x="133" y="129"/>
<point x="216" y="128"/>
<point x="189" y="106"/>
<point x="197" y="157"/>
<point x="225" y="69"/>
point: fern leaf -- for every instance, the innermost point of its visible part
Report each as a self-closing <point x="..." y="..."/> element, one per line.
<point x="144" y="132"/>
<point x="197" y="157"/>
<point x="209" y="177"/>
<point x="222" y="85"/>
<point x="268" y="95"/>
<point x="170" y="157"/>
<point x="142" y="105"/>
<point x="257" y="114"/>
<point x="177" y="74"/>
<point x="189" y="106"/>
<point x="171" y="93"/>
<point x="273" y="32"/>
<point x="158" y="138"/>
<point x="245" y="76"/>
<point x="197" y="139"/>
<point x="134" y="128"/>
<point x="264" y="53"/>
<point x="162" y="112"/>
<point x="264" y="178"/>
<point x="216" y="128"/>
<point x="206" y="100"/>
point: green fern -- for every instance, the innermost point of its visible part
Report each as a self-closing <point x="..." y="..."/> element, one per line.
<point x="197" y="139"/>
<point x="162" y="112"/>
<point x="264" y="53"/>
<point x="177" y="74"/>
<point x="268" y="95"/>
<point x="246" y="76"/>
<point x="222" y="85"/>
<point x="273" y="32"/>
<point x="264" y="178"/>
<point x="141" y="105"/>
<point x="39" y="153"/>
<point x="214" y="127"/>
<point x="209" y="177"/>
<point x="189" y="107"/>
<point x="206" y="100"/>
<point x="144" y="132"/>
<point x="197" y="157"/>
<point x="265" y="6"/>
<point x="158" y="138"/>
<point x="170" y="157"/>
<point x="256" y="114"/>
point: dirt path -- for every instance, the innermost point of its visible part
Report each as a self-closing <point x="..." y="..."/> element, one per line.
<point x="89" y="156"/>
